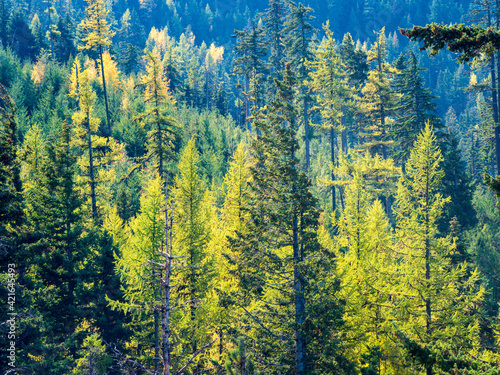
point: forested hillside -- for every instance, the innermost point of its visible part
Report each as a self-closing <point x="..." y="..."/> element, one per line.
<point x="249" y="187"/>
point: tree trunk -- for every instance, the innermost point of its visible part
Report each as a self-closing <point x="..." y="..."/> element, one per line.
<point x="344" y="130"/>
<point x="160" y="144"/>
<point x="166" y="292"/>
<point x="382" y="124"/>
<point x="495" y="98"/>
<point x="157" y="325"/>
<point x="247" y="103"/>
<point x="105" y="93"/>
<point x="300" y="303"/>
<point x="332" y="159"/>
<point x="428" y="310"/>
<point x="50" y="31"/>
<point x="91" y="170"/>
<point x="306" y="131"/>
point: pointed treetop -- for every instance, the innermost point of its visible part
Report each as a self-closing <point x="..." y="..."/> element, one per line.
<point x="96" y="27"/>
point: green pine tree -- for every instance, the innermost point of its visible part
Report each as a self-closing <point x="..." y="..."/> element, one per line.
<point x="249" y="50"/>
<point x="329" y="82"/>
<point x="415" y="107"/>
<point x="163" y="129"/>
<point x="280" y="256"/>
<point x="379" y="100"/>
<point x="437" y="302"/>
<point x="98" y="37"/>
<point x="299" y="50"/>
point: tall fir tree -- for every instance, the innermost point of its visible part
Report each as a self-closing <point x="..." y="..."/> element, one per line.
<point x="163" y="130"/>
<point x="190" y="237"/>
<point x="10" y="192"/>
<point x="416" y="107"/>
<point x="98" y="38"/>
<point x="281" y="257"/>
<point x="95" y="152"/>
<point x="250" y="50"/>
<point x="437" y="302"/>
<point x="378" y="102"/>
<point x="65" y="46"/>
<point x="299" y="50"/>
<point x="57" y="249"/>
<point x="274" y="25"/>
<point x="141" y="244"/>
<point x="329" y="81"/>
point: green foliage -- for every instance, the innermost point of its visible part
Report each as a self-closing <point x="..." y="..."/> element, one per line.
<point x="378" y="103"/>
<point x="163" y="130"/>
<point x="93" y="360"/>
<point x="190" y="240"/>
<point x="239" y="361"/>
<point x="10" y="183"/>
<point x="96" y="26"/>
<point x="414" y="109"/>
<point x="441" y="302"/>
<point x="468" y="41"/>
<point x="262" y="279"/>
<point x="280" y="256"/>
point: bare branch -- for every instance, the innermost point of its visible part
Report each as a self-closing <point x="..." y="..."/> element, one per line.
<point x="198" y="352"/>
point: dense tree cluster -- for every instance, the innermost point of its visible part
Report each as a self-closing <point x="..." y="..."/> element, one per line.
<point x="176" y="201"/>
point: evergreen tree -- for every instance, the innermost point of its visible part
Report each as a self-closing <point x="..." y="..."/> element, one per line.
<point x="355" y="60"/>
<point x="457" y="185"/>
<point x="19" y="36"/>
<point x="299" y="39"/>
<point x="280" y="253"/>
<point x="356" y="67"/>
<point x="249" y="51"/>
<point x="10" y="184"/>
<point x="162" y="129"/>
<point x="329" y="82"/>
<point x="4" y="17"/>
<point x="65" y="46"/>
<point x="438" y="302"/>
<point x="142" y="247"/>
<point x="98" y="37"/>
<point x="223" y="226"/>
<point x="366" y="260"/>
<point x="52" y="32"/>
<point x="87" y="127"/>
<point x="415" y="107"/>
<point x="190" y="238"/>
<point x="95" y="152"/>
<point x="274" y="20"/>
<point x="172" y="70"/>
<point x="129" y="50"/>
<point x="36" y="30"/>
<point x="378" y="103"/>
<point x="469" y="41"/>
<point x="57" y="249"/>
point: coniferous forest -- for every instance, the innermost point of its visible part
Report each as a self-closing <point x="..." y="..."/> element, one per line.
<point x="249" y="187"/>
